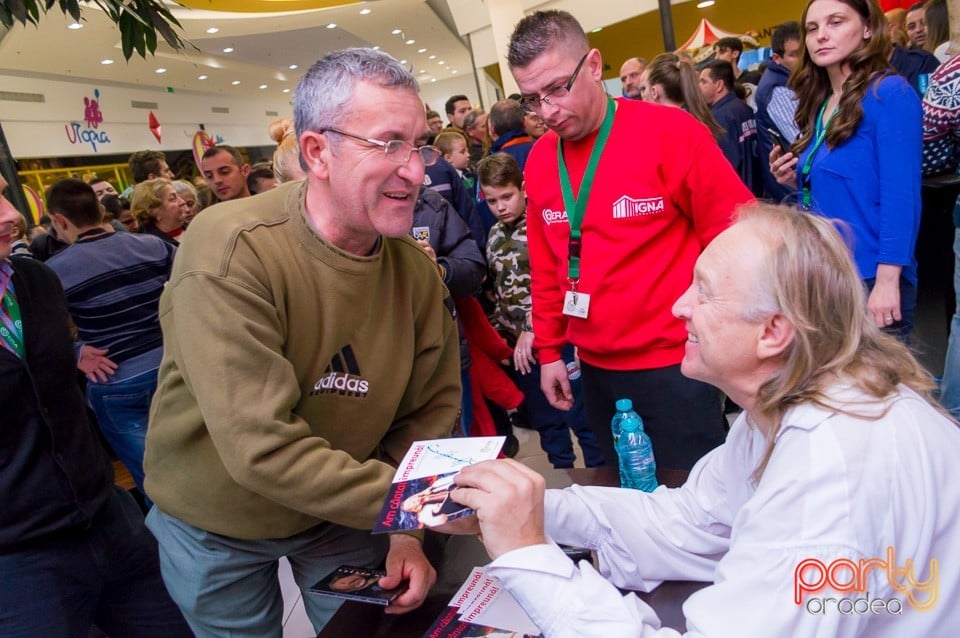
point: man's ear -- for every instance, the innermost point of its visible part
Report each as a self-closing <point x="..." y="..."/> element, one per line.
<point x="776" y="337"/>
<point x="315" y="150"/>
<point x="60" y="221"/>
<point x="595" y="60"/>
<point x="245" y="170"/>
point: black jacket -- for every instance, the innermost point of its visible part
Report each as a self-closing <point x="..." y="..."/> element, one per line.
<point x="54" y="473"/>
<point x="435" y="220"/>
<point x="912" y="63"/>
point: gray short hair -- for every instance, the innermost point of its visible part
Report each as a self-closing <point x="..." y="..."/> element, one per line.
<point x="541" y="31"/>
<point x="325" y="90"/>
<point x="183" y="186"/>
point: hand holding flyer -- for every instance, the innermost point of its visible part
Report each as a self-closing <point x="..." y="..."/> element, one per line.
<point x="357" y="583"/>
<point x="420" y="494"/>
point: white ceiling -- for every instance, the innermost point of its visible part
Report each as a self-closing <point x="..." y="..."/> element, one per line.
<point x="265" y="45"/>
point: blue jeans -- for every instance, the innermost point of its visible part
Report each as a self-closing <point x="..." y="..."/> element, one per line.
<point x="122" y="411"/>
<point x="228" y="586"/>
<point x="107" y="575"/>
<point x="950" y="386"/>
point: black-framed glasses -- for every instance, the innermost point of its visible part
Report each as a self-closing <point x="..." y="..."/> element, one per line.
<point x="397" y="151"/>
<point x="532" y="104"/>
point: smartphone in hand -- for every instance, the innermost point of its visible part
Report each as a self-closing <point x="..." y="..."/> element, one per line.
<point x="778" y="140"/>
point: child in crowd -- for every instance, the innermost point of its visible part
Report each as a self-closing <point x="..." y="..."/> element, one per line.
<point x="453" y="145"/>
<point x="502" y="184"/>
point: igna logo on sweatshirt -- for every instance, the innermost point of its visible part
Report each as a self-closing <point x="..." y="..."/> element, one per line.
<point x="630" y="207"/>
<point x="342" y="376"/>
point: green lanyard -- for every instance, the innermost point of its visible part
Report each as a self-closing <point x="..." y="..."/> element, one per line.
<point x="819" y="135"/>
<point x="577" y="207"/>
<point x="12" y="331"/>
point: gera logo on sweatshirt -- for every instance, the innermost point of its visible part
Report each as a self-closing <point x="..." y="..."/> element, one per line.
<point x="554" y="216"/>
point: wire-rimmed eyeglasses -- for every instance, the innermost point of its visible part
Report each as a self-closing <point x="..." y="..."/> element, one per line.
<point x="397" y="151"/>
<point x="535" y="103"/>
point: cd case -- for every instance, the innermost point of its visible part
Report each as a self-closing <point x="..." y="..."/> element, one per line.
<point x="357" y="583"/>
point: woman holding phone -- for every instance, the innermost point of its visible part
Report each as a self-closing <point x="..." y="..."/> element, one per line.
<point x="859" y="152"/>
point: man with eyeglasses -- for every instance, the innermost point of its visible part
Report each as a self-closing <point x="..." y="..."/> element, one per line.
<point x="308" y="341"/>
<point x="622" y="197"/>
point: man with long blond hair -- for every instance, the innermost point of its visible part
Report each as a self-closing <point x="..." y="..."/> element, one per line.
<point x="830" y="510"/>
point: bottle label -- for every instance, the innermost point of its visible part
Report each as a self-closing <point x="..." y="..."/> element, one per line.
<point x="573" y="370"/>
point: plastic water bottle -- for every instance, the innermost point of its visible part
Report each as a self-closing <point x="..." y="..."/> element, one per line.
<point x="638" y="470"/>
<point x="624" y="409"/>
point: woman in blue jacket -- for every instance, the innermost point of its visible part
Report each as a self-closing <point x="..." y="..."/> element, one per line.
<point x="859" y="153"/>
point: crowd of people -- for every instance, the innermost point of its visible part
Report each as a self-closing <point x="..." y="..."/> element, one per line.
<point x="259" y="347"/>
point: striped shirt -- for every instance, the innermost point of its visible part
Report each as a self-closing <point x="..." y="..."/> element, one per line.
<point x="113" y="283"/>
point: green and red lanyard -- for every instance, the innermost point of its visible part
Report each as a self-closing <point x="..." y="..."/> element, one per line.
<point x="819" y="136"/>
<point x="11" y="326"/>
<point x="577" y="207"/>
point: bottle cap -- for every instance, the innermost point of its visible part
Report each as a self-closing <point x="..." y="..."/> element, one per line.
<point x="629" y="425"/>
<point x="624" y="405"/>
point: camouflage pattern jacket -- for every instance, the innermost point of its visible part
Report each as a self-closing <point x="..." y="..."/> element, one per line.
<point x="509" y="264"/>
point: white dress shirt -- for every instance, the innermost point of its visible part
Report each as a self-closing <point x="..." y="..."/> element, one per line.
<point x="836" y="487"/>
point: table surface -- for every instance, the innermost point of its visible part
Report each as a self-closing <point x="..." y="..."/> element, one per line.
<point x="455" y="556"/>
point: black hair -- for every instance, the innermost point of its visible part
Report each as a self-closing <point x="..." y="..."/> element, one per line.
<point x="723" y="71"/>
<point x="75" y="200"/>
<point x="783" y="34"/>
<point x="452" y="100"/>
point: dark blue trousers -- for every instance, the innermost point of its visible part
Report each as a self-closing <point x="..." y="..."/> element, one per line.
<point x="107" y="575"/>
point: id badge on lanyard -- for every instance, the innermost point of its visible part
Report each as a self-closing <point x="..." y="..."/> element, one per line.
<point x="576" y="303"/>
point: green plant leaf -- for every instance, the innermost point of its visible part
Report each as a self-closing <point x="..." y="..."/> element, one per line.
<point x="150" y="39"/>
<point x="18" y="10"/>
<point x="125" y="23"/>
<point x="70" y="7"/>
<point x="139" y="21"/>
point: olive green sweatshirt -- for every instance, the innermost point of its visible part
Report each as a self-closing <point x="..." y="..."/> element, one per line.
<point x="292" y="370"/>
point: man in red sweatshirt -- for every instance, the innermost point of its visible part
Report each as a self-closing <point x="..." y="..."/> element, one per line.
<point x="622" y="197"/>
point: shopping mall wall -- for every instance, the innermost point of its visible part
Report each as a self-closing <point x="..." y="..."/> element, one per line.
<point x="83" y="118"/>
<point x="64" y="122"/>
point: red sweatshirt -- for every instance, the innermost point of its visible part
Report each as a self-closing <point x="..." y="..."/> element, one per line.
<point x="662" y="191"/>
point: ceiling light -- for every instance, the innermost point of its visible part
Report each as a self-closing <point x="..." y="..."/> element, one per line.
<point x="263" y="86"/>
<point x="396" y="32"/>
<point x="441" y="62"/>
<point x="403" y="61"/>
<point x="161" y="70"/>
<point x="411" y="41"/>
<point x="293" y="67"/>
<point x="285" y="91"/>
<point x="228" y="50"/>
<point x="332" y="25"/>
<point x="364" y="12"/>
<point x="421" y="50"/>
<point x="431" y="57"/>
<point x="106" y="61"/>
<point x="705" y="4"/>
<point x="376" y="48"/>
<point x="597" y="30"/>
<point x="213" y="30"/>
<point x="454" y="71"/>
<point x="201" y="77"/>
<point x="434" y="80"/>
<point x="235" y="82"/>
<point x="74" y="26"/>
